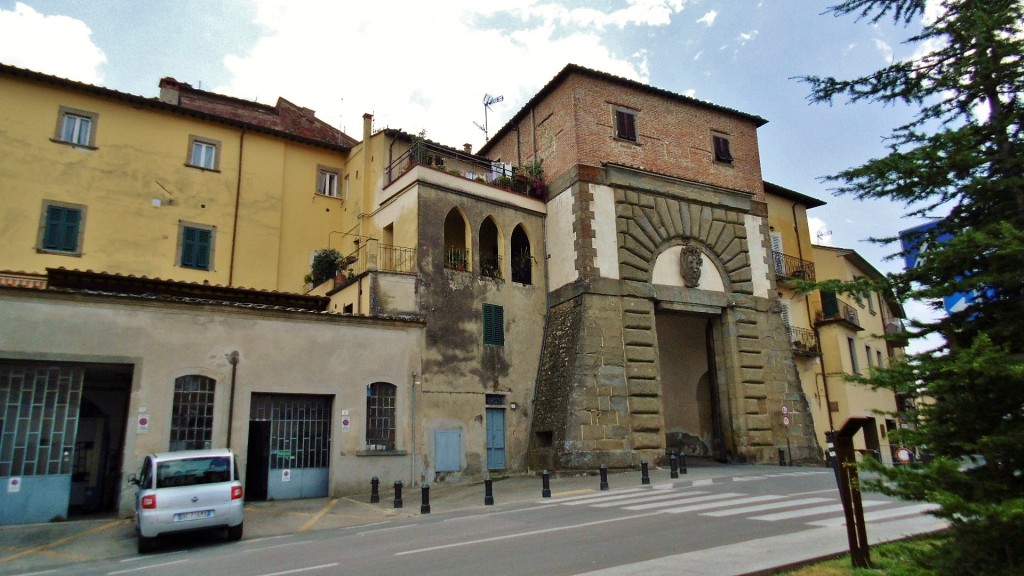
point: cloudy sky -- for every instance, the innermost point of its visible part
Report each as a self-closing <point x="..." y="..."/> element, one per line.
<point x="428" y="66"/>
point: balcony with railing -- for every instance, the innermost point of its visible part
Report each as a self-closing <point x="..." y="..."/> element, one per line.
<point x="803" y="342"/>
<point x="456" y="259"/>
<point x="525" y="182"/>
<point x="392" y="289"/>
<point x="790" y="267"/>
<point x="834" y="309"/>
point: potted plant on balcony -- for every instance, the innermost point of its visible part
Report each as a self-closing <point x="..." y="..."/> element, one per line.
<point x="329" y="264"/>
<point x="532" y="179"/>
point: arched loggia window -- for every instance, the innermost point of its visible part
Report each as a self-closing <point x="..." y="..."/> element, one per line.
<point x="456" y="245"/>
<point x="490" y="249"/>
<point x="522" y="257"/>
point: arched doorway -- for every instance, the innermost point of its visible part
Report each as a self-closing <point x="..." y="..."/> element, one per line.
<point x="690" y="385"/>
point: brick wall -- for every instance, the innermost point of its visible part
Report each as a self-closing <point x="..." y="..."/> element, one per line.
<point x="573" y="125"/>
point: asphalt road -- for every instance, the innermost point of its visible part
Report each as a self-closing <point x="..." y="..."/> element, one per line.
<point x="735" y="525"/>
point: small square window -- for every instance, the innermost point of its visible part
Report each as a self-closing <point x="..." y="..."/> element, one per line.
<point x="327" y="182"/>
<point x="494" y="325"/>
<point x="203" y="153"/>
<point x="625" y="124"/>
<point x="195" y="246"/>
<point x="61" y="228"/>
<point x="76" y="127"/>
<point x="722" y="152"/>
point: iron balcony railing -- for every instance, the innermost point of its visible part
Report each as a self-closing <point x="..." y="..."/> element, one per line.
<point x="787" y="267"/>
<point x="803" y="341"/>
<point x="456" y="259"/>
<point x="372" y="255"/>
<point x="468" y="166"/>
<point x="894" y="326"/>
<point x="832" y="308"/>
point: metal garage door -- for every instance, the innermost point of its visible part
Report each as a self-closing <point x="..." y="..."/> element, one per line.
<point x="300" y="443"/>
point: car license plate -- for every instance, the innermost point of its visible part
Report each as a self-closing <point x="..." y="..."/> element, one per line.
<point x="198" y="515"/>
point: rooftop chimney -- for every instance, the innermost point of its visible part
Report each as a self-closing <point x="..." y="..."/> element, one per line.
<point x="367" y="126"/>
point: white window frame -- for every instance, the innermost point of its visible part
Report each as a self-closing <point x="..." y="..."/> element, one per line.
<point x="76" y="127"/>
<point x="208" y="157"/>
<point x="327" y="181"/>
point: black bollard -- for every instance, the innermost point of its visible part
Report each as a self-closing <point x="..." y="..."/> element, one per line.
<point x="374" y="490"/>
<point x="782" y="457"/>
<point x="645" y="475"/>
<point x="398" y="493"/>
<point x="604" y="477"/>
<point x="488" y="494"/>
<point x="682" y="463"/>
<point x="545" y="482"/>
<point x="674" y="462"/>
<point x="425" y="499"/>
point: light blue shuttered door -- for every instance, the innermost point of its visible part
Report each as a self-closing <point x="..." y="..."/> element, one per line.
<point x="495" y="438"/>
<point x="447" y="450"/>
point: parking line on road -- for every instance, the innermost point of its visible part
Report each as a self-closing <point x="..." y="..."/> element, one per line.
<point x="147" y="567"/>
<point x="316" y="517"/>
<point x="306" y="569"/>
<point x="56" y="543"/>
<point x="522" y="534"/>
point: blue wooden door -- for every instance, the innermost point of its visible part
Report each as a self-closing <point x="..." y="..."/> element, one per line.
<point x="448" y="450"/>
<point x="495" y="438"/>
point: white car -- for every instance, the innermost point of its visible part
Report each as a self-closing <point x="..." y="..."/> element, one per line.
<point x="185" y="491"/>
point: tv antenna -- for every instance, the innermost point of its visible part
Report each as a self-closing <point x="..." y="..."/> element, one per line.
<point x="488" y="100"/>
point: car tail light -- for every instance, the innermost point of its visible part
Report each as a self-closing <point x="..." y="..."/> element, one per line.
<point x="236" y="492"/>
<point x="149" y="502"/>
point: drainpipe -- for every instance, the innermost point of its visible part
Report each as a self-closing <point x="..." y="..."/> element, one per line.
<point x="810" y="318"/>
<point x="233" y="360"/>
<point x="238" y="196"/>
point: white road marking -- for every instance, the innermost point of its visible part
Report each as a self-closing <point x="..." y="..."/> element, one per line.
<point x="710" y="505"/>
<point x="763" y="507"/>
<point x="684" y="501"/>
<point x="880" y="515"/>
<point x="813" y="511"/>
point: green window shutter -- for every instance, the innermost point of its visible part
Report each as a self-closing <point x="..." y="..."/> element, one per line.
<point x="195" y="248"/>
<point x="61" y="229"/>
<point x="494" y="325"/>
<point x="203" y="249"/>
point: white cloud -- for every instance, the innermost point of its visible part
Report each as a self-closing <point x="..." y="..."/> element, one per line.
<point x="56" y="45"/>
<point x="708" y="18"/>
<point x="421" y="66"/>
<point x="886" y="50"/>
<point x="745" y="37"/>
<point x="820" y="233"/>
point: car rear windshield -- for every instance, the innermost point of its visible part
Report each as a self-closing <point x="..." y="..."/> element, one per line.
<point x="193" y="471"/>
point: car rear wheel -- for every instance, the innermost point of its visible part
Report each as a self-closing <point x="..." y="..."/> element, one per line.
<point x="146" y="544"/>
<point x="235" y="533"/>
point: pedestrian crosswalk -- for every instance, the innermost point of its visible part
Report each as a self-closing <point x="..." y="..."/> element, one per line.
<point x="820" y="508"/>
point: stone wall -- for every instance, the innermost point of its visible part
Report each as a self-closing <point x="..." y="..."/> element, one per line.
<point x="605" y="406"/>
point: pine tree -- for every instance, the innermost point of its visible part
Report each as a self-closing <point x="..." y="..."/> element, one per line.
<point x="961" y="157"/>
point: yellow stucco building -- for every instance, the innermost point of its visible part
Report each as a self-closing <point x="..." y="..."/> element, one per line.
<point x="153" y="255"/>
<point x="833" y="336"/>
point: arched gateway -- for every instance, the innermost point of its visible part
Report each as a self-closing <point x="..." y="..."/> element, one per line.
<point x="668" y="335"/>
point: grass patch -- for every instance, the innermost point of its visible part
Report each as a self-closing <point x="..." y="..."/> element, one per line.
<point x="890" y="559"/>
